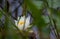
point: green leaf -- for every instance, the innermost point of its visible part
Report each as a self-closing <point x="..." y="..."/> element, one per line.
<point x="54" y="3"/>
<point x="1" y="14"/>
<point x="38" y="4"/>
<point x="36" y="14"/>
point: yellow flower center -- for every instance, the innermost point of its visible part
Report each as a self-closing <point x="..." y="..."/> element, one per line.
<point x="21" y="23"/>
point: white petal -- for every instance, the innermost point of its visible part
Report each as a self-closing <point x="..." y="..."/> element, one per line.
<point x="27" y="22"/>
<point x="16" y="22"/>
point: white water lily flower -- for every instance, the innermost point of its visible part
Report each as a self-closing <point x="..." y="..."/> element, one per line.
<point x="21" y="22"/>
